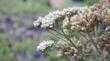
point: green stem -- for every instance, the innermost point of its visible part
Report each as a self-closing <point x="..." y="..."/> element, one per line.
<point x="70" y="42"/>
<point x="55" y="35"/>
<point x="52" y="59"/>
<point x="93" y="42"/>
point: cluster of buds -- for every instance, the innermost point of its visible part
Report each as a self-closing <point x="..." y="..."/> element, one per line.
<point x="62" y="43"/>
<point x="87" y="19"/>
<point x="65" y="49"/>
<point x="69" y="51"/>
<point x="48" y="20"/>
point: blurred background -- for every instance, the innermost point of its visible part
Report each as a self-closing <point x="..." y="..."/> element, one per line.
<point x="18" y="37"/>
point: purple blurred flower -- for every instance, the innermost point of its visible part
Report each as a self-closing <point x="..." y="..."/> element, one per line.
<point x="22" y="54"/>
<point x="78" y="0"/>
<point x="40" y="55"/>
<point x="8" y="20"/>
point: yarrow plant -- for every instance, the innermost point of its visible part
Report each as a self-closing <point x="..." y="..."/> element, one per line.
<point x="84" y="32"/>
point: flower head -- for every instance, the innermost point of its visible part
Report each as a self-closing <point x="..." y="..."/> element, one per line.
<point x="49" y="19"/>
<point x="87" y="19"/>
<point x="44" y="45"/>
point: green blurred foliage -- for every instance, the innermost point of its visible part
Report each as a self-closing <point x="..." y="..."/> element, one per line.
<point x="5" y="51"/>
<point x="33" y="7"/>
<point x="27" y="7"/>
<point x="90" y="2"/>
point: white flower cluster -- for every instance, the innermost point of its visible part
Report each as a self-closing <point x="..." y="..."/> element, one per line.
<point x="44" y="45"/>
<point x="48" y="20"/>
<point x="62" y="43"/>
